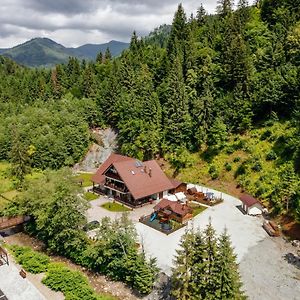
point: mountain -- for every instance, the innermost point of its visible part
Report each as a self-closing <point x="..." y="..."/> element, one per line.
<point x="44" y="52"/>
<point x="91" y="50"/>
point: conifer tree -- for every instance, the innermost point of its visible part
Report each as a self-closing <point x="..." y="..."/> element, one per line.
<point x="99" y="58"/>
<point x="198" y="268"/>
<point x="227" y="276"/>
<point x="176" y="117"/>
<point x="225" y="8"/>
<point x="201" y="14"/>
<point x="182" y="276"/>
<point x="210" y="262"/>
<point x="107" y="55"/>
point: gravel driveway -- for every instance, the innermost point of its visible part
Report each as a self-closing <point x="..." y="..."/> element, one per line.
<point x="265" y="272"/>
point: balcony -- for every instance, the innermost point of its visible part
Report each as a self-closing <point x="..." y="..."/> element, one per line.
<point x="116" y="187"/>
<point x="113" y="176"/>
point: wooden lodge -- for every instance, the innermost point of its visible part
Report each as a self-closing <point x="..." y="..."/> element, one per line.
<point x="133" y="182"/>
<point x="167" y="210"/>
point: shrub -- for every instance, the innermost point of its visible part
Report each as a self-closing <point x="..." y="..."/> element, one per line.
<point x="212" y="169"/>
<point x="266" y="134"/>
<point x="215" y="176"/>
<point x="228" y="167"/>
<point x="257" y="166"/>
<point x="230" y="149"/>
<point x="73" y="284"/>
<point x="241" y="170"/>
<point x="240" y="145"/>
<point x="32" y="261"/>
<point x="236" y="159"/>
<point x="271" y="155"/>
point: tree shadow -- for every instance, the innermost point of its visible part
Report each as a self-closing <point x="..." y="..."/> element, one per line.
<point x="240" y="208"/>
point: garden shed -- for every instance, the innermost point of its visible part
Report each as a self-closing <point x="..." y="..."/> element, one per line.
<point x="251" y="205"/>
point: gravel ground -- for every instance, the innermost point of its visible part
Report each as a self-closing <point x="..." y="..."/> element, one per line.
<point x="267" y="274"/>
<point x="245" y="231"/>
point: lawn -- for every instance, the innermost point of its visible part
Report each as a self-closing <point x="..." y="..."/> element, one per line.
<point x="115" y="207"/>
<point x="86" y="177"/>
<point x="90" y="196"/>
<point x="197" y="209"/>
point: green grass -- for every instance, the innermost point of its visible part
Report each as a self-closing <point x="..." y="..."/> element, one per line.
<point x="90" y="196"/>
<point x="86" y="177"/>
<point x="115" y="207"/>
<point x="198" y="209"/>
<point x="7" y="186"/>
<point x="249" y="151"/>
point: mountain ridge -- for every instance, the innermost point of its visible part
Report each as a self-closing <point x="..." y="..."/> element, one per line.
<point x="45" y="52"/>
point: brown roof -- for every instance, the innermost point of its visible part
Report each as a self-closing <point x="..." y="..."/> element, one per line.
<point x="139" y="183"/>
<point x="176" y="183"/>
<point x="248" y="200"/>
<point x="175" y="206"/>
<point x="99" y="177"/>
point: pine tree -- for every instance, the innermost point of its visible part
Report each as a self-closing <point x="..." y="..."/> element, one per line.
<point x="227" y="276"/>
<point x="181" y="277"/>
<point x="198" y="269"/>
<point x="107" y="55"/>
<point x="176" y="117"/>
<point x="201" y="15"/>
<point x="99" y="58"/>
<point x="178" y="34"/>
<point x="19" y="157"/>
<point x="225" y="8"/>
<point x="210" y="264"/>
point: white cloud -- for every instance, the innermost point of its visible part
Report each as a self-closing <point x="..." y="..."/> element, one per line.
<point x="75" y="22"/>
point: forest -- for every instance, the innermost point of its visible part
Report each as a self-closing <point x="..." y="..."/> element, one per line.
<point x="185" y="88"/>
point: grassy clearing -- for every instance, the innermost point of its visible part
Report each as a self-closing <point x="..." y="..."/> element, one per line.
<point x="86" y="179"/>
<point x="7" y="185"/>
<point x="115" y="207"/>
<point x="252" y="161"/>
<point x="90" y="196"/>
<point x="198" y="209"/>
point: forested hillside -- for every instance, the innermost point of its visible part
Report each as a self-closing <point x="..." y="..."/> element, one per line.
<point x="188" y="89"/>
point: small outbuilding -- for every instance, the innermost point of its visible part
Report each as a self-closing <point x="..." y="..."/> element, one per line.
<point x="251" y="205"/>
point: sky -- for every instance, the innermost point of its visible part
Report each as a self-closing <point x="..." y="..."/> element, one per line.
<point x="76" y="22"/>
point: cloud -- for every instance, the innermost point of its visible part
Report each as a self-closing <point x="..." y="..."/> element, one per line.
<point x="75" y="22"/>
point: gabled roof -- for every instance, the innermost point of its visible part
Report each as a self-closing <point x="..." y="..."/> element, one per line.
<point x="176" y="207"/>
<point x="248" y="200"/>
<point x="139" y="181"/>
<point x="99" y="178"/>
<point x="141" y="178"/>
<point x="176" y="183"/>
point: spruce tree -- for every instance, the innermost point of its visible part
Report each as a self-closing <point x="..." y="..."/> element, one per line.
<point x="210" y="262"/>
<point x="176" y="117"/>
<point x="227" y="276"/>
<point x="198" y="268"/>
<point x="201" y="15"/>
<point x="182" y="271"/>
<point x="99" y="58"/>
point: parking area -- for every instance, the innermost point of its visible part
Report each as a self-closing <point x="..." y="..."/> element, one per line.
<point x="265" y="271"/>
<point x="245" y="231"/>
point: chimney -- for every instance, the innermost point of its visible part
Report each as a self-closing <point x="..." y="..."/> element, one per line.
<point x="150" y="172"/>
